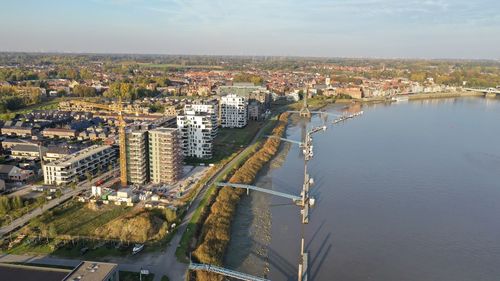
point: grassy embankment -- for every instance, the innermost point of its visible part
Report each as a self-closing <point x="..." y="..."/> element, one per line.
<point x="104" y="231"/>
<point x="16" y="212"/>
<point x="228" y="142"/>
<point x="215" y="232"/>
<point x="194" y="225"/>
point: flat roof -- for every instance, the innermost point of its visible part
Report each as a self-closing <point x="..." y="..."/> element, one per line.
<point x="84" y="153"/>
<point x="91" y="271"/>
<point x="30" y="273"/>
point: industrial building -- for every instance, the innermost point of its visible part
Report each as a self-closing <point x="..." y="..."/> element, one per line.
<point x="234" y="111"/>
<point x="74" y="167"/>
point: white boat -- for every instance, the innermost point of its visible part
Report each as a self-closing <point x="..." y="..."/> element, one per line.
<point x="137" y="248"/>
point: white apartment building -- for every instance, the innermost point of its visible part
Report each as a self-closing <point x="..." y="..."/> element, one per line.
<point x="165" y="155"/>
<point x="137" y="156"/>
<point x="210" y="107"/>
<point x="74" y="167"/>
<point x="234" y="111"/>
<point x="198" y="128"/>
<point x="197" y="134"/>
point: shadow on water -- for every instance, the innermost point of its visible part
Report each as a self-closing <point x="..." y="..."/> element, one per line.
<point x="315" y="264"/>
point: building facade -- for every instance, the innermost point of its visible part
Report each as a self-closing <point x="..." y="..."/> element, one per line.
<point x="75" y="167"/>
<point x="198" y="128"/>
<point x="165" y="155"/>
<point x="234" y="111"/>
<point x="137" y="156"/>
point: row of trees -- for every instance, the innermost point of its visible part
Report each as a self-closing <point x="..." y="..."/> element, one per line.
<point x="128" y="91"/>
<point x="216" y="230"/>
<point x="84" y="91"/>
<point x="8" y="204"/>
<point x="247" y="77"/>
<point x="12" y="98"/>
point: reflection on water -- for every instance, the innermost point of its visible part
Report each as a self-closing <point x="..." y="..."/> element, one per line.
<point x="408" y="191"/>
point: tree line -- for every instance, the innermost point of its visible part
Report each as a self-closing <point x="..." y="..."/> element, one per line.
<point x="12" y="98"/>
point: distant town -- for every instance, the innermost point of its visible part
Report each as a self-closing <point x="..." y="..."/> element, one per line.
<point x="115" y="157"/>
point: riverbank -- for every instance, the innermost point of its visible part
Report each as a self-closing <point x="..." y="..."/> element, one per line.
<point x="441" y="95"/>
<point x="215" y="234"/>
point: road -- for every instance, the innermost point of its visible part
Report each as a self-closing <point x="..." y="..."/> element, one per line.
<point x="160" y="263"/>
<point x="67" y="193"/>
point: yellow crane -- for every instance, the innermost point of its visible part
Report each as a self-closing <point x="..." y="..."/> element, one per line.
<point x="118" y="108"/>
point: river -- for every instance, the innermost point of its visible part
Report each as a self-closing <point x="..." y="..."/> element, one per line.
<point x="408" y="191"/>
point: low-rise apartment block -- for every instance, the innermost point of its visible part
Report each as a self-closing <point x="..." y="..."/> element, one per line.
<point x="74" y="167"/>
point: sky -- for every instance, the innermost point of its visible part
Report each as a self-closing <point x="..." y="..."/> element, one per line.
<point x="468" y="29"/>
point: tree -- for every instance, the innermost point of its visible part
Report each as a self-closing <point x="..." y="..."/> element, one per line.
<point x="17" y="202"/>
<point x="5" y="206"/>
<point x="88" y="176"/>
<point x="40" y="200"/>
<point x="84" y="91"/>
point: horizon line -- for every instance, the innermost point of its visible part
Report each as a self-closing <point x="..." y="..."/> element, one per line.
<point x="249" y="56"/>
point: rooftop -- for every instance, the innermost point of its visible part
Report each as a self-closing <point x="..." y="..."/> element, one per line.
<point x="91" y="271"/>
<point x="82" y="154"/>
<point x="25" y="147"/>
<point x="30" y="273"/>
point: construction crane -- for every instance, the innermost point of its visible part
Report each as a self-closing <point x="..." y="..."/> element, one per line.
<point x="117" y="108"/>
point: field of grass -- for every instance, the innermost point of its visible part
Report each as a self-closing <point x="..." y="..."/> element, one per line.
<point x="238" y="136"/>
<point x="73" y="226"/>
<point x="76" y="219"/>
<point x="52" y="104"/>
<point x="17" y="213"/>
<point x="96" y="249"/>
<point x="46" y="105"/>
<point x="228" y="142"/>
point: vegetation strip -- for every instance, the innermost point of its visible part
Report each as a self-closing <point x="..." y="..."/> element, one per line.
<point x="215" y="233"/>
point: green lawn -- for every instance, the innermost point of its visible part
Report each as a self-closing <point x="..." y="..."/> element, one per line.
<point x="228" y="142"/>
<point x="96" y="249"/>
<point x="51" y="104"/>
<point x="17" y="213"/>
<point x="76" y="219"/>
<point x="237" y="136"/>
